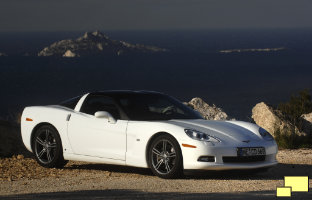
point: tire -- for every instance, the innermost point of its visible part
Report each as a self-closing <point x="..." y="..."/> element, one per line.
<point x="47" y="147"/>
<point x="165" y="157"/>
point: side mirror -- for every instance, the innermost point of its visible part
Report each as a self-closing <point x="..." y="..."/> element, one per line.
<point x="106" y="115"/>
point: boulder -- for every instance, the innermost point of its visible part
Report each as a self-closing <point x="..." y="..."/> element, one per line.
<point x="207" y="111"/>
<point x="273" y="120"/>
<point x="307" y="117"/>
<point x="307" y="123"/>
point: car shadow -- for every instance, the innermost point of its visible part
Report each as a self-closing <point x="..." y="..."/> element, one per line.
<point x="112" y="168"/>
<point x="275" y="173"/>
<point x="136" y="194"/>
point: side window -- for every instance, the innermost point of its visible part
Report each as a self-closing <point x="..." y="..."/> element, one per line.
<point x="96" y="103"/>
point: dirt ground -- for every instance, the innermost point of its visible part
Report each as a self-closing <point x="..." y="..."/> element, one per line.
<point x="23" y="178"/>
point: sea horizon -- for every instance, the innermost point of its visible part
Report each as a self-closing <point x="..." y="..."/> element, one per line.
<point x="193" y="67"/>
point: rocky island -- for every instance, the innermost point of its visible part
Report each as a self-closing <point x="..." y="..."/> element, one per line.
<point x="3" y="54"/>
<point x="95" y="43"/>
<point x="251" y="50"/>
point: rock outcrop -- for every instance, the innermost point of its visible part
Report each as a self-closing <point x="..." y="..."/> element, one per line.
<point x="207" y="111"/>
<point x="307" y="117"/>
<point x="94" y="43"/>
<point x="307" y="123"/>
<point x="273" y="120"/>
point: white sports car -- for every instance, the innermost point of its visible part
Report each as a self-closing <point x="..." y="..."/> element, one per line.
<point x="142" y="129"/>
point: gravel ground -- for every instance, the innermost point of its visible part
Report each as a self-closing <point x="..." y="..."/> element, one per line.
<point x="23" y="178"/>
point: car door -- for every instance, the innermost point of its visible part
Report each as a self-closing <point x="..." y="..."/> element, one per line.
<point x="98" y="137"/>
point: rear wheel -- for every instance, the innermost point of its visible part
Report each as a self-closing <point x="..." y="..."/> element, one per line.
<point x="165" y="157"/>
<point x="47" y="147"/>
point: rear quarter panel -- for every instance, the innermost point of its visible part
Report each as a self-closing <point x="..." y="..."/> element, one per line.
<point x="54" y="115"/>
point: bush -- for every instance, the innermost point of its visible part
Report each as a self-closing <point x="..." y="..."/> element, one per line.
<point x="292" y="110"/>
<point x="296" y="106"/>
<point x="289" y="140"/>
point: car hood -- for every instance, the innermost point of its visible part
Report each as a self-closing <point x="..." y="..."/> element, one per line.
<point x="224" y="130"/>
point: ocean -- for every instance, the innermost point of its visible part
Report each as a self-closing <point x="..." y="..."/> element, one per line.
<point x="193" y="66"/>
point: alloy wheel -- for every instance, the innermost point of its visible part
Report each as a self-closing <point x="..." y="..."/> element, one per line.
<point x="163" y="156"/>
<point x="45" y="146"/>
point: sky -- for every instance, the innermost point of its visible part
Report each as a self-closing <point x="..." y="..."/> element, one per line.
<point x="81" y="15"/>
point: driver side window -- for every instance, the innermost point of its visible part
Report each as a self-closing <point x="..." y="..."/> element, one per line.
<point x="96" y="103"/>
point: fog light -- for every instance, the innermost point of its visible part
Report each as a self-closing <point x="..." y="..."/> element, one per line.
<point x="206" y="159"/>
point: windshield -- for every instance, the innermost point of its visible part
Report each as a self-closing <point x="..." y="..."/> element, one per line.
<point x="155" y="107"/>
<point x="70" y="103"/>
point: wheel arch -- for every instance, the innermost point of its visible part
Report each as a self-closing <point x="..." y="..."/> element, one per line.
<point x="36" y="128"/>
<point x="152" y="139"/>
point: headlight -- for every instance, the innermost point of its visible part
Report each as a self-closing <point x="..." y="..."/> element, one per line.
<point x="197" y="135"/>
<point x="265" y="134"/>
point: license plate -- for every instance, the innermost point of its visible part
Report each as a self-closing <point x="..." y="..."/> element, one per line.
<point x="250" y="151"/>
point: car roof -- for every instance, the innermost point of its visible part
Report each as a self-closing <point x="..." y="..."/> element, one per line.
<point x="123" y="92"/>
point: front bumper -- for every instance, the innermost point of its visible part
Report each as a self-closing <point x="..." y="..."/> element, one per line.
<point x="191" y="155"/>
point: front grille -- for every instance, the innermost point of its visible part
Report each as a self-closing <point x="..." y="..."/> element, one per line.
<point x="243" y="159"/>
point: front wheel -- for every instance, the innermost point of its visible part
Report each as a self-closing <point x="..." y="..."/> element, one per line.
<point x="47" y="147"/>
<point x="165" y="157"/>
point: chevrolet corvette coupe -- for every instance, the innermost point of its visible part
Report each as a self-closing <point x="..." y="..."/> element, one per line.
<point x="142" y="129"/>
